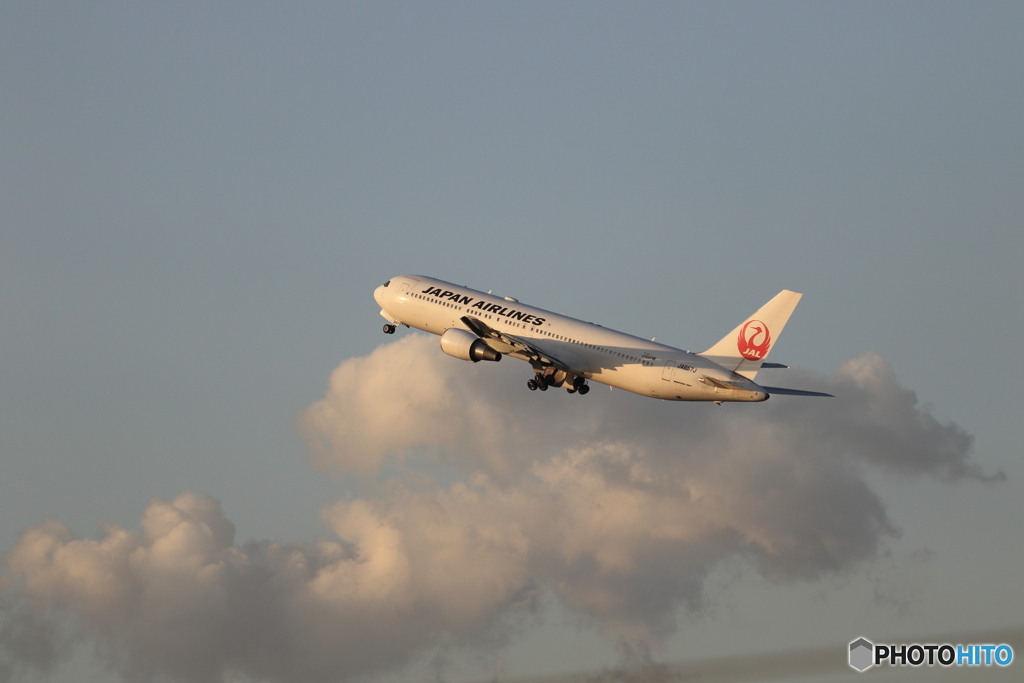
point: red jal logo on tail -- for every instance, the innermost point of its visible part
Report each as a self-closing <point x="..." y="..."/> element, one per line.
<point x="754" y="340"/>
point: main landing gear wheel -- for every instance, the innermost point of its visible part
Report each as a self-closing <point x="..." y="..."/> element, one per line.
<point x="543" y="386"/>
<point x="389" y="329"/>
<point x="570" y="390"/>
<point x="584" y="389"/>
<point x="532" y="384"/>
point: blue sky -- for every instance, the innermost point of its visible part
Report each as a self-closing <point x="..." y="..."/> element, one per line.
<point x="196" y="202"/>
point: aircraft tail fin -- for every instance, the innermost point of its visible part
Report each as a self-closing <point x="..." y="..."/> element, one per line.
<point x="745" y="348"/>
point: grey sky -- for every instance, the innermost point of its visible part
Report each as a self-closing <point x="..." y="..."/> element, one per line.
<point x="196" y="202"/>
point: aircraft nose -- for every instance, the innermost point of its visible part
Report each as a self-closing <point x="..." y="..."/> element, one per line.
<point x="378" y="296"/>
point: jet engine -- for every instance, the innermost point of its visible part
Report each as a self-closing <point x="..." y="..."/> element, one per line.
<point x="467" y="346"/>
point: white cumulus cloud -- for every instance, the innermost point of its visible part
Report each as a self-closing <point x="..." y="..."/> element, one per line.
<point x="616" y="504"/>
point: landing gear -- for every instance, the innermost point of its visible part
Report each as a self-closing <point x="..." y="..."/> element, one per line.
<point x="542" y="382"/>
<point x="389" y="329"/>
<point x="580" y="385"/>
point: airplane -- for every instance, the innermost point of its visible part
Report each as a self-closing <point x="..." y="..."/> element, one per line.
<point x="565" y="352"/>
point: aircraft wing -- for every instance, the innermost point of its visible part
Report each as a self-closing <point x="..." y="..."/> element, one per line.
<point x="528" y="350"/>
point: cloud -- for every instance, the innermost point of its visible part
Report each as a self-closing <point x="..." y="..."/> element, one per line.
<point x="180" y="599"/>
<point x="617" y="505"/>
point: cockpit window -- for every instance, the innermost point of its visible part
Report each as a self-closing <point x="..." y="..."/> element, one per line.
<point x="387" y="283"/>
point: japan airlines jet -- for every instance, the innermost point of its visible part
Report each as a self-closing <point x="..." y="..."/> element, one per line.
<point x="565" y="352"/>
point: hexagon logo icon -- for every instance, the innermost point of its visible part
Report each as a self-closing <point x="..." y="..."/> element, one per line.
<point x="862" y="654"/>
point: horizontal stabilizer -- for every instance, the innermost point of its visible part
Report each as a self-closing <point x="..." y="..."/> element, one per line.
<point x="774" y="366"/>
<point x="794" y="392"/>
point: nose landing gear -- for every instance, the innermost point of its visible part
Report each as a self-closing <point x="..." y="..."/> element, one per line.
<point x="389" y="329"/>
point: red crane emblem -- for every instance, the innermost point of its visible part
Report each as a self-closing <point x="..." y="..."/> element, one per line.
<point x="754" y="340"/>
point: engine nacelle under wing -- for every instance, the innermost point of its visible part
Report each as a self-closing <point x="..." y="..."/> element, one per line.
<point x="467" y="346"/>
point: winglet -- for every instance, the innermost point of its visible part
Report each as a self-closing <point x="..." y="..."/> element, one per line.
<point x="744" y="349"/>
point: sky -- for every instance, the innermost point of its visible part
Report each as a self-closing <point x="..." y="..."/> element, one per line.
<point x="214" y="466"/>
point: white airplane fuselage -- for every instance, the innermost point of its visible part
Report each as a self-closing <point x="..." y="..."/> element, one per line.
<point x="576" y="348"/>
